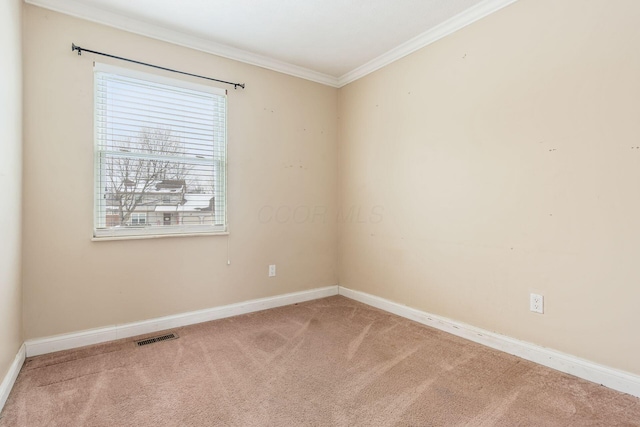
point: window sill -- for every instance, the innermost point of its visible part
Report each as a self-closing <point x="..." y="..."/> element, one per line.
<point x="157" y="236"/>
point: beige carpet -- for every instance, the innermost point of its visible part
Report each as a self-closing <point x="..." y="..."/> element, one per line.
<point x="326" y="362"/>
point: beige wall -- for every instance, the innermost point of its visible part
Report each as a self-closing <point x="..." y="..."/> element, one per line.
<point x="11" y="174"/>
<point x="282" y="153"/>
<point x="505" y="160"/>
<point x="496" y="162"/>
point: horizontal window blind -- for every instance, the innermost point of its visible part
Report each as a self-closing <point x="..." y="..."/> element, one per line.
<point x="160" y="155"/>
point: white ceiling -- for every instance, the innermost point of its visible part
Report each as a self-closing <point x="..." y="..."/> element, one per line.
<point x="330" y="41"/>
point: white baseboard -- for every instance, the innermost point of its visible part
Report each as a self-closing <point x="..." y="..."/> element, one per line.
<point x="618" y="380"/>
<point x="12" y="374"/>
<point x="51" y="344"/>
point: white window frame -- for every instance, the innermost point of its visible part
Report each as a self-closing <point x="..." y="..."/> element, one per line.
<point x="100" y="231"/>
<point x="135" y="219"/>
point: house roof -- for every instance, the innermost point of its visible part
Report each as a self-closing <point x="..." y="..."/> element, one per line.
<point x="193" y="202"/>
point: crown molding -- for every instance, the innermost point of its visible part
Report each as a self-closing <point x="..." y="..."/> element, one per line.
<point x="79" y="10"/>
<point x="450" y="26"/>
<point x="83" y="11"/>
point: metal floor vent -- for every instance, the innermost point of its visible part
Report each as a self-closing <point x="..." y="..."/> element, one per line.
<point x="156" y="339"/>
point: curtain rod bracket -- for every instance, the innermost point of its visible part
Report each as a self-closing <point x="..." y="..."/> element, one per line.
<point x="80" y="49"/>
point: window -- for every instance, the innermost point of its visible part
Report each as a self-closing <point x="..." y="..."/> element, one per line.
<point x="138" y="218"/>
<point x="160" y="155"/>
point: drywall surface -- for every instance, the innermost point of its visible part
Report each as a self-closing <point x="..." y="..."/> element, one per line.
<point x="282" y="189"/>
<point x="500" y="161"/>
<point x="11" y="175"/>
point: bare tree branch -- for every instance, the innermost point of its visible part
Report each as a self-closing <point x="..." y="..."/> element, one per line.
<point x="131" y="179"/>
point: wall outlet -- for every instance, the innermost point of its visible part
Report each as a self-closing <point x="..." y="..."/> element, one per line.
<point x="272" y="270"/>
<point x="536" y="303"/>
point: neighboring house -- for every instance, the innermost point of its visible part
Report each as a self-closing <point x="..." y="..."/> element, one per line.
<point x="165" y="202"/>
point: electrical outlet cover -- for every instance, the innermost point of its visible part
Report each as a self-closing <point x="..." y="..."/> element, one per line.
<point x="536" y="303"/>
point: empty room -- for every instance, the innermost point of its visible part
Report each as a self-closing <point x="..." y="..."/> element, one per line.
<point x="323" y="213"/>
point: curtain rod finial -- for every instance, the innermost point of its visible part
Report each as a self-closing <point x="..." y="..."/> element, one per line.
<point x="78" y="48"/>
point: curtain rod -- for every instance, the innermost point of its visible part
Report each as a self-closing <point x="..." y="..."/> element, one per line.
<point x="81" y="49"/>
